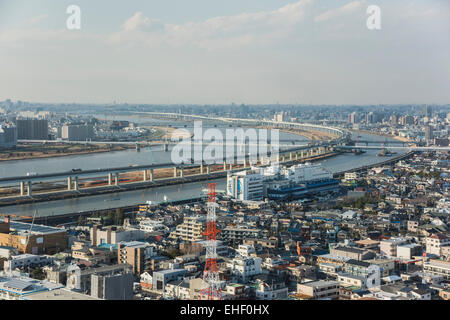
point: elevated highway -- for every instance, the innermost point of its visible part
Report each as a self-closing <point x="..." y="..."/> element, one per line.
<point x="112" y="176"/>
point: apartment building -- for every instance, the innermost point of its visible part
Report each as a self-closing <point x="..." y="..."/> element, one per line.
<point x="437" y="267"/>
<point x="435" y="243"/>
<point x="271" y="243"/>
<point x="245" y="267"/>
<point x="321" y="289"/>
<point x="233" y="234"/>
<point x="191" y="229"/>
<point x="270" y="288"/>
<point x="26" y="260"/>
<point x="32" y="129"/>
<point x="388" y="247"/>
<point x="352" y="253"/>
<point x="118" y="286"/>
<point x="137" y="254"/>
<point x="408" y="251"/>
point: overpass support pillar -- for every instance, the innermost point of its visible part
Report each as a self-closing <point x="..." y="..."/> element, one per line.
<point x="224" y="166"/>
<point x="109" y="179"/>
<point x="174" y="172"/>
<point x="75" y="183"/>
<point x="182" y="173"/>
<point x="69" y="183"/>
<point x="208" y="169"/>
<point x="30" y="188"/>
<point x="145" y="175"/>
<point x="151" y="175"/>
<point x="116" y="179"/>
<point x="291" y="156"/>
<point x="201" y="168"/>
<point x="231" y="166"/>
<point x="22" y="188"/>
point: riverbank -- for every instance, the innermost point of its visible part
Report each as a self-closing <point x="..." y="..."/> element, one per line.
<point x="402" y="139"/>
<point x="30" y="151"/>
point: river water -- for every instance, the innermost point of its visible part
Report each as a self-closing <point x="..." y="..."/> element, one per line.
<point x="145" y="156"/>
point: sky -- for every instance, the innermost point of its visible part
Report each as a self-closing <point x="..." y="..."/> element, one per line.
<point x="221" y="52"/>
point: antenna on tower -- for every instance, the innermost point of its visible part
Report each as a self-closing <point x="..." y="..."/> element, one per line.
<point x="211" y="281"/>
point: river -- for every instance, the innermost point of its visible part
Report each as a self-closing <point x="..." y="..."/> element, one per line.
<point x="155" y="155"/>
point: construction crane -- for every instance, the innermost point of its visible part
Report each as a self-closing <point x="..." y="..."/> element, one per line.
<point x="29" y="231"/>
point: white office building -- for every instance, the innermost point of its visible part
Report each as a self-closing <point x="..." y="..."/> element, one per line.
<point x="245" y="185"/>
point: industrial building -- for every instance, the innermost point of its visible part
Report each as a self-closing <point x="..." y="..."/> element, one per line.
<point x="17" y="287"/>
<point x="34" y="239"/>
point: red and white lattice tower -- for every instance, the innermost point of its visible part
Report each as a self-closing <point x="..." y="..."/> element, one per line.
<point x="211" y="283"/>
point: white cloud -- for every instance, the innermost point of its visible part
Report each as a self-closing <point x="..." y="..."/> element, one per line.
<point x="341" y="11"/>
<point x="216" y="32"/>
<point x="137" y="21"/>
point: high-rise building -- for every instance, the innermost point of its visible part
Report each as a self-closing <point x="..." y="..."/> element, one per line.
<point x="353" y="117"/>
<point x="8" y="136"/>
<point x="406" y="120"/>
<point x="279" y="117"/>
<point x="428" y="133"/>
<point x="394" y="120"/>
<point x="32" y="129"/>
